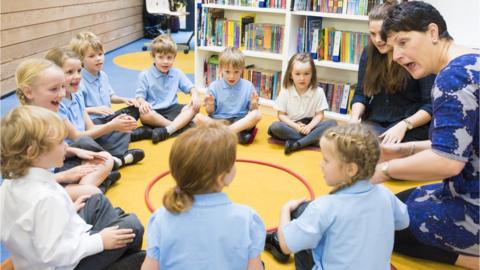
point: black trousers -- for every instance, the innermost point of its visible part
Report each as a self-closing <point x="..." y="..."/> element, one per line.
<point x="99" y="213"/>
<point x="406" y="243"/>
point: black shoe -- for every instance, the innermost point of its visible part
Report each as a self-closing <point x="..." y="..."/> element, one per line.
<point x="141" y="133"/>
<point x="137" y="155"/>
<point x="291" y="146"/>
<point x="159" y="134"/>
<point x="244" y="137"/>
<point x="111" y="179"/>
<point x="119" y="211"/>
<point x="272" y="246"/>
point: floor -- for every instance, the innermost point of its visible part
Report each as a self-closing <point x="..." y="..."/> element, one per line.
<point x="261" y="187"/>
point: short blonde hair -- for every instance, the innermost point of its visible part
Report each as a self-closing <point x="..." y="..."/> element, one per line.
<point x="231" y="57"/>
<point x="84" y="40"/>
<point x="28" y="132"/>
<point x="27" y="74"/>
<point x="60" y="55"/>
<point x="197" y="159"/>
<point x="354" y="143"/>
<point x="163" y="44"/>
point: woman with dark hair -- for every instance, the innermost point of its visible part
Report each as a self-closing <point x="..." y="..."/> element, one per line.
<point x="387" y="98"/>
<point x="444" y="217"/>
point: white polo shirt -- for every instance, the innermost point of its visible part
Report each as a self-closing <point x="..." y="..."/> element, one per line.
<point x="297" y="107"/>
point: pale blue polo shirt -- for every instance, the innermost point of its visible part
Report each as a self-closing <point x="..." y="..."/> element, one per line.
<point x="215" y="234"/>
<point x="96" y="90"/>
<point x="159" y="89"/>
<point x="72" y="110"/>
<point x="350" y="229"/>
<point x="231" y="100"/>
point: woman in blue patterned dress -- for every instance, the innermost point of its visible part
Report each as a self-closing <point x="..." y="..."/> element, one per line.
<point x="444" y="217"/>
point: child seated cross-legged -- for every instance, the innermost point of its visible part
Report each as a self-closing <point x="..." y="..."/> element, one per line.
<point x="41" y="83"/>
<point x="300" y="106"/>
<point x="72" y="110"/>
<point x="157" y="93"/>
<point x="41" y="227"/>
<point x="177" y="235"/>
<point x="232" y="98"/>
<point x="352" y="227"/>
<point x="97" y="91"/>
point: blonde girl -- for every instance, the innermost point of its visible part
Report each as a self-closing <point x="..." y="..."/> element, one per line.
<point x="41" y="83"/>
<point x="300" y="106"/>
<point x="355" y="223"/>
<point x="112" y="136"/>
<point x="202" y="162"/>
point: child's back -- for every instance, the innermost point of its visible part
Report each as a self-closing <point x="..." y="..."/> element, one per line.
<point x="214" y="234"/>
<point x="354" y="227"/>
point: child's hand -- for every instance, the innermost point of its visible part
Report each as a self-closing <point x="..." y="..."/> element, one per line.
<point x="299" y="126"/>
<point x="145" y="107"/>
<point x="74" y="174"/>
<point x="305" y="130"/>
<point x="132" y="102"/>
<point x="254" y="100"/>
<point x="209" y="100"/>
<point x="90" y="155"/>
<point x="113" y="237"/>
<point x="293" y="204"/>
<point x="104" y="110"/>
<point x="80" y="202"/>
<point x="124" y="123"/>
<point x="195" y="102"/>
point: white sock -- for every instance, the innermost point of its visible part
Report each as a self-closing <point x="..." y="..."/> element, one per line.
<point x="171" y="129"/>
<point x="128" y="158"/>
<point x="118" y="162"/>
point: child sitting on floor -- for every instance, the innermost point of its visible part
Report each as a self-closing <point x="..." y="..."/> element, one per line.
<point x="177" y="237"/>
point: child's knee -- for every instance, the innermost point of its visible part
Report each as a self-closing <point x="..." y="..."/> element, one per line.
<point x="257" y="116"/>
<point x="199" y="119"/>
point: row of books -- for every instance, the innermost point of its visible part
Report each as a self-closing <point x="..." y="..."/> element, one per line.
<point x="351" y="7"/>
<point x="338" y="94"/>
<point x="264" y="37"/>
<point x="250" y="3"/>
<point x="266" y="82"/>
<point x="330" y="44"/>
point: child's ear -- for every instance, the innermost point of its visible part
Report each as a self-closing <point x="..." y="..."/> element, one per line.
<point x="220" y="183"/>
<point x="352" y="169"/>
<point x="27" y="91"/>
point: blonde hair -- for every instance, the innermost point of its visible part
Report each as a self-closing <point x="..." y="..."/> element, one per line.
<point x="197" y="159"/>
<point x="27" y="74"/>
<point x="302" y="58"/>
<point x="84" y="40"/>
<point x="28" y="132"/>
<point x="231" y="57"/>
<point x="60" y="55"/>
<point x="354" y="143"/>
<point x="163" y="44"/>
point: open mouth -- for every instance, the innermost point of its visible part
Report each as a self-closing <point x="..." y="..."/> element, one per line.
<point x="55" y="103"/>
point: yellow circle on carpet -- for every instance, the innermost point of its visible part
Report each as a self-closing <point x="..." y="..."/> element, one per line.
<point x="143" y="60"/>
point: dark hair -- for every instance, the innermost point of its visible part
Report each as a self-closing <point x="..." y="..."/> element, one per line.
<point x="302" y="58"/>
<point x="414" y="16"/>
<point x="393" y="79"/>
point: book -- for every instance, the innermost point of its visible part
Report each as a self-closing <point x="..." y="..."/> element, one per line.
<point x="245" y="19"/>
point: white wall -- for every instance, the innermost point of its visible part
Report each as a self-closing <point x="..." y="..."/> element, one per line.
<point x="463" y="20"/>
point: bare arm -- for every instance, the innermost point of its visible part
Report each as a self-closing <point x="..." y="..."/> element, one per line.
<point x="357" y="111"/>
<point x="254" y="264"/>
<point x="150" y="264"/>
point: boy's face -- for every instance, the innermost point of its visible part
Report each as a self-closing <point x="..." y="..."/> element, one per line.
<point x="231" y="75"/>
<point x="164" y="61"/>
<point x="53" y="158"/>
<point x="72" y="68"/>
<point x="48" y="90"/>
<point x="93" y="60"/>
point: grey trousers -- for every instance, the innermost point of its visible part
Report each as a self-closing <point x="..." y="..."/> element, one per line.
<point x="99" y="213"/>
<point x="282" y="131"/>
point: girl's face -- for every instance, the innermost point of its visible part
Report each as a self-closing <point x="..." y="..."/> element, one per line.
<point x="53" y="158"/>
<point x="334" y="169"/>
<point x="93" y="61"/>
<point x="413" y="51"/>
<point x="301" y="75"/>
<point x="48" y="90"/>
<point x="374" y="29"/>
<point x="72" y="68"/>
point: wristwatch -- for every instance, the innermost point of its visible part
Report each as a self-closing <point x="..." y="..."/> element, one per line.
<point x="385" y="168"/>
<point x="409" y="124"/>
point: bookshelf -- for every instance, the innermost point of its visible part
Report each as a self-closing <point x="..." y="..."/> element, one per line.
<point x="292" y="21"/>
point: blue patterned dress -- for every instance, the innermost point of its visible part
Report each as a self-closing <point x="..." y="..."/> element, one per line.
<point x="446" y="215"/>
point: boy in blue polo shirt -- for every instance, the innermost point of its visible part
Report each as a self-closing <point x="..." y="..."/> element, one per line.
<point x="232" y="98"/>
<point x="157" y="92"/>
<point x="95" y="85"/>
